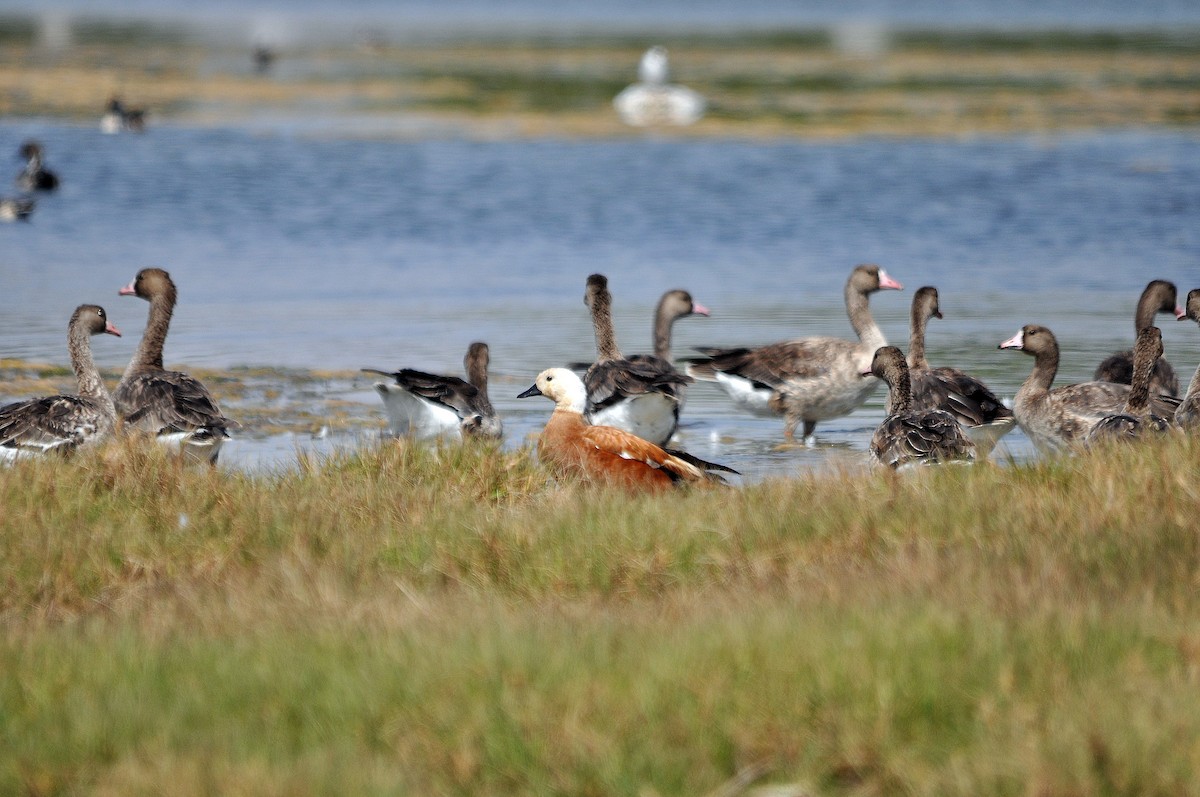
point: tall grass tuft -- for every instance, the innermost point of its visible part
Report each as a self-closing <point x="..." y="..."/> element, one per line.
<point x="449" y="620"/>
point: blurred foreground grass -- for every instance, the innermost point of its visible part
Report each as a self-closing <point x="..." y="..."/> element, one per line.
<point x="769" y="84"/>
<point x="411" y="620"/>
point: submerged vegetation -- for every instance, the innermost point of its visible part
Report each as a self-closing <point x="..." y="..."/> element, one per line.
<point x="448" y="621"/>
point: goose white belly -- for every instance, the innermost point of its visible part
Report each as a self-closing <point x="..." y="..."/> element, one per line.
<point x="11" y="454"/>
<point x="650" y="416"/>
<point x="986" y="435"/>
<point x="746" y="395"/>
<point x="412" y="416"/>
<point x="198" y="445"/>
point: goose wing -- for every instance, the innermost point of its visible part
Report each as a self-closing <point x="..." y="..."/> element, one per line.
<point x="52" y="422"/>
<point x="170" y="401"/>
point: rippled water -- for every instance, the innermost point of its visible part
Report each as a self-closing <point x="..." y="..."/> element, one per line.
<point x="298" y="250"/>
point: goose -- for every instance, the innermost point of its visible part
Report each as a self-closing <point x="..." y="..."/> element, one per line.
<point x="16" y="208"/>
<point x="1158" y="297"/>
<point x="572" y="448"/>
<point x="810" y="379"/>
<point x="1135" y="420"/>
<point x="1060" y="419"/>
<point x="642" y="395"/>
<point x="427" y="406"/>
<point x="35" y="176"/>
<point x="910" y="435"/>
<point x="174" y="407"/>
<point x="672" y="306"/>
<point x="653" y="101"/>
<point x="1188" y="415"/>
<point x="64" y="423"/>
<point x="117" y="118"/>
<point x="983" y="417"/>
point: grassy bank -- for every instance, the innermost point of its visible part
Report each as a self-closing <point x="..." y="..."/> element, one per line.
<point x="447" y="621"/>
<point x="805" y="82"/>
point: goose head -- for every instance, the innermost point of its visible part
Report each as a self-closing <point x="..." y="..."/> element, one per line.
<point x="148" y="283"/>
<point x="868" y="278"/>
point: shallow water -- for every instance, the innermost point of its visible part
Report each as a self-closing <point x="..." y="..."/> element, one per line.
<point x="294" y="249"/>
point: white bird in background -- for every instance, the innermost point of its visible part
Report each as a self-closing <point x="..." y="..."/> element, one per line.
<point x="652" y="100"/>
<point x="653" y="66"/>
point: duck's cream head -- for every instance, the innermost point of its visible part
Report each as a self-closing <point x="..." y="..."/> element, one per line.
<point x="562" y="386"/>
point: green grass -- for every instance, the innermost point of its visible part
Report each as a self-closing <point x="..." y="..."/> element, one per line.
<point x="448" y="621"/>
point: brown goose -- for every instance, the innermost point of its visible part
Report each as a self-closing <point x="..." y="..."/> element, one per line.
<point x="672" y="306"/>
<point x="177" y="409"/>
<point x="1060" y="419"/>
<point x="1188" y="414"/>
<point x="642" y="395"/>
<point x="1135" y="420"/>
<point x="427" y="406"/>
<point x="909" y="435"/>
<point x="810" y="379"/>
<point x="63" y="423"/>
<point x="984" y="418"/>
<point x="1158" y="297"/>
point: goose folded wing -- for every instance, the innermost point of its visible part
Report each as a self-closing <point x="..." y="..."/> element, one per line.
<point x="43" y="424"/>
<point x="768" y="366"/>
<point x="170" y="401"/>
<point x="450" y="391"/>
<point x="964" y="397"/>
<point x="611" y="381"/>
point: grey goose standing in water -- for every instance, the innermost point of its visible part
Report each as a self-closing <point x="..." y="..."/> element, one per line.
<point x="1135" y="420"/>
<point x="66" y="422"/>
<point x="910" y="435"/>
<point x="810" y="379"/>
<point x="1188" y="415"/>
<point x="982" y="415"/>
<point x="173" y="406"/>
<point x="642" y="394"/>
<point x="35" y="176"/>
<point x="426" y="406"/>
<point x="1061" y="418"/>
<point x="1159" y="296"/>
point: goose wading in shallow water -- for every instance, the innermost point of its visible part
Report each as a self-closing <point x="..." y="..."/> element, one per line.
<point x="911" y="436"/>
<point x="1135" y="421"/>
<point x="653" y="101"/>
<point x="173" y="406"/>
<point x="810" y="379"/>
<point x="117" y="118"/>
<point x="16" y="208"/>
<point x="982" y="415"/>
<point x="1158" y="297"/>
<point x="643" y="394"/>
<point x="35" y="176"/>
<point x="428" y="406"/>
<point x="1188" y="415"/>
<point x="1061" y="419"/>
<point x="574" y="449"/>
<point x="64" y="423"/>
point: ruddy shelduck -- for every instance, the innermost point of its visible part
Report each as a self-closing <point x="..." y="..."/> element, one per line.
<point x="604" y="454"/>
